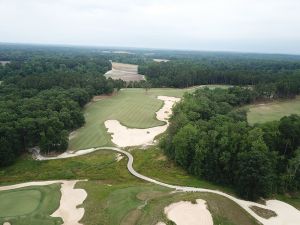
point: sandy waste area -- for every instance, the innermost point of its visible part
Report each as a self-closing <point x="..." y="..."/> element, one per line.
<point x="124" y="137"/>
<point x="70" y="199"/>
<point x="187" y="213"/>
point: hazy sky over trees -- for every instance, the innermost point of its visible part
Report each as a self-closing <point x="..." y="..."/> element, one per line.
<point x="231" y="25"/>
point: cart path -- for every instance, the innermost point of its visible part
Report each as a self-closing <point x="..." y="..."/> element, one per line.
<point x="286" y="214"/>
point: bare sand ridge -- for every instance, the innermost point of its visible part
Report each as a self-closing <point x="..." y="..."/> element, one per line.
<point x="161" y="60"/>
<point x="124" y="137"/>
<point x="187" y="213"/>
<point x="126" y="72"/>
<point x="70" y="199"/>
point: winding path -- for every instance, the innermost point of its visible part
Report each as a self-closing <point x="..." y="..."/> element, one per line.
<point x="283" y="218"/>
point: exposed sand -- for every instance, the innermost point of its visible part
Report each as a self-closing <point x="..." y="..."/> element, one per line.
<point x="119" y="157"/>
<point x="161" y="60"/>
<point x="72" y="135"/>
<point x="71" y="198"/>
<point x="124" y="137"/>
<point x="186" y="213"/>
<point x="160" y="223"/>
<point x="64" y="155"/>
<point x="126" y="72"/>
<point x="286" y="214"/>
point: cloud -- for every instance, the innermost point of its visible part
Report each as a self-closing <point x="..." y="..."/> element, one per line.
<point x="239" y="25"/>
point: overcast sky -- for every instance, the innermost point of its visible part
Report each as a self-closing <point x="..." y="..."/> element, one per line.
<point x="217" y="25"/>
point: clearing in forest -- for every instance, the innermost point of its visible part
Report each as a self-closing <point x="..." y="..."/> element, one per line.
<point x="260" y="113"/>
<point x="125" y="72"/>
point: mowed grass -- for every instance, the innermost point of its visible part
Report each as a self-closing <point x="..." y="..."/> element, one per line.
<point x="127" y="204"/>
<point x="19" y="202"/>
<point x="30" y="205"/>
<point x="261" y="113"/>
<point x="134" y="108"/>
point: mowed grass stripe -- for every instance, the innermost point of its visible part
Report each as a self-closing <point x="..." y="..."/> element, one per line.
<point x="134" y="108"/>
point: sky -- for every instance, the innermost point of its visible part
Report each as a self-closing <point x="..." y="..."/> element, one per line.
<point x="270" y="26"/>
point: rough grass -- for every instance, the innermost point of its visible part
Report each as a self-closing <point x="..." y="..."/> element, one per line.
<point x="153" y="163"/>
<point x="30" y="205"/>
<point x="260" y="113"/>
<point x="264" y="213"/>
<point x="123" y="204"/>
<point x="100" y="165"/>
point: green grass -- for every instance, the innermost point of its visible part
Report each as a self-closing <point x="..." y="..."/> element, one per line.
<point x="153" y="163"/>
<point x="132" y="107"/>
<point x="260" y="113"/>
<point x="30" y="205"/>
<point x="19" y="202"/>
<point x="100" y="165"/>
<point x="127" y="204"/>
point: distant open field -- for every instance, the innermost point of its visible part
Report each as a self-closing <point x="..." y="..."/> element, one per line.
<point x="261" y="113"/>
<point x="126" y="72"/>
<point x="31" y="205"/>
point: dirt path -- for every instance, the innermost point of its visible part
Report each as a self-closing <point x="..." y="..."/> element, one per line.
<point x="70" y="199"/>
<point x="287" y="214"/>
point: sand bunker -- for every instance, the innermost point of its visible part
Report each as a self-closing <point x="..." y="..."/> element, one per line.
<point x="70" y="199"/>
<point x="186" y="213"/>
<point x="124" y="137"/>
<point x="286" y="214"/>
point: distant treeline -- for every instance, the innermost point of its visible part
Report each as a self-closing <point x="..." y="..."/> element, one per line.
<point x="281" y="77"/>
<point x="41" y="99"/>
<point x="209" y="136"/>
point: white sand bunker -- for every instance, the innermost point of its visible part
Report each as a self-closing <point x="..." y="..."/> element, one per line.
<point x="123" y="136"/>
<point x="70" y="199"/>
<point x="286" y="214"/>
<point x="187" y="213"/>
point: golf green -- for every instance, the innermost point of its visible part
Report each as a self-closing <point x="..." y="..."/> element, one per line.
<point x="19" y="202"/>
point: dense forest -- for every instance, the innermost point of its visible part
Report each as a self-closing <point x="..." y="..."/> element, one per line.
<point x="41" y="96"/>
<point x="210" y="137"/>
<point x="237" y="70"/>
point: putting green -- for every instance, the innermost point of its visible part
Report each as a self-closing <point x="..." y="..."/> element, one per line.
<point x="19" y="202"/>
<point x="30" y="205"/>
